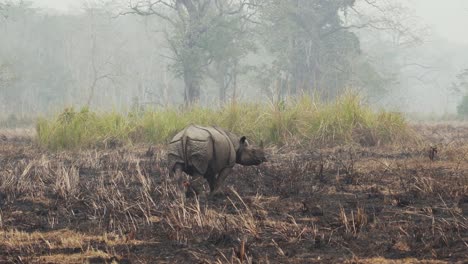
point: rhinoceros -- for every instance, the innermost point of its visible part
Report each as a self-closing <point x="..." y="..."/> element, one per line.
<point x="210" y="153"/>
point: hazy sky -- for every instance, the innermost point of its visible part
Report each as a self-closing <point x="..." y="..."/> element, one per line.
<point x="62" y="5"/>
<point x="448" y="18"/>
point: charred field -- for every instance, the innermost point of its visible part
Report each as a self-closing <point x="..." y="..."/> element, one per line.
<point x="310" y="204"/>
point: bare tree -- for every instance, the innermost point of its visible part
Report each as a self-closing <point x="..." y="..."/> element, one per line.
<point x="99" y="70"/>
<point x="194" y="26"/>
<point x="3" y="10"/>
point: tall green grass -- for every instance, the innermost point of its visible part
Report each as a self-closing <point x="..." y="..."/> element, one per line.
<point x="343" y="121"/>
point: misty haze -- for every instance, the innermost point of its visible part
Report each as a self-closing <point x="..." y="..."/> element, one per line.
<point x="402" y="56"/>
<point x="233" y="131"/>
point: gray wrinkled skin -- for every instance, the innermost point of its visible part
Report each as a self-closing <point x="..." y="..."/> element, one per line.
<point x="210" y="153"/>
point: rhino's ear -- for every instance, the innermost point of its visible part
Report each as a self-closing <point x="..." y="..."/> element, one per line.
<point x="243" y="141"/>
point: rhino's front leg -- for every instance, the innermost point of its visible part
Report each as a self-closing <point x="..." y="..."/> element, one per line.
<point x="220" y="180"/>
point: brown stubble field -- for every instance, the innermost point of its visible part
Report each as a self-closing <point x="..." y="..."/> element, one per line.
<point x="309" y="204"/>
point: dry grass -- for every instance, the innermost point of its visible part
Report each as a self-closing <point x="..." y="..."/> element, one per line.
<point x="351" y="204"/>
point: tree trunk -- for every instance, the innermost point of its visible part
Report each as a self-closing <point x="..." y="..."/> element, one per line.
<point x="166" y="87"/>
<point x="221" y="72"/>
<point x="234" y="85"/>
<point x="222" y="90"/>
<point x="192" y="89"/>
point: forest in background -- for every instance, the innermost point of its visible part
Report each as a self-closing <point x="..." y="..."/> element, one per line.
<point x="113" y="55"/>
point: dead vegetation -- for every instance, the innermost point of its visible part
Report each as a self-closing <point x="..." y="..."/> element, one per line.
<point x="347" y="204"/>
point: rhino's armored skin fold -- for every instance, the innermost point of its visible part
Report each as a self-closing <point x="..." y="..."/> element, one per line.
<point x="210" y="153"/>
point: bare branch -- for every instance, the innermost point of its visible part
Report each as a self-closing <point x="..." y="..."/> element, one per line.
<point x="391" y="17"/>
<point x="148" y="8"/>
<point x="416" y="65"/>
<point x="373" y="4"/>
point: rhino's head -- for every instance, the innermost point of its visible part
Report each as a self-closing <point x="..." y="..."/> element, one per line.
<point x="250" y="155"/>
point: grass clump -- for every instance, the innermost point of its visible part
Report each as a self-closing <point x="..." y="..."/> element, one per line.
<point x="344" y="121"/>
<point x="72" y="129"/>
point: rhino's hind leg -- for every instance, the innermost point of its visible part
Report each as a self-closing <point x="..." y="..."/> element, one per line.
<point x="211" y="178"/>
<point x="177" y="178"/>
<point x="195" y="187"/>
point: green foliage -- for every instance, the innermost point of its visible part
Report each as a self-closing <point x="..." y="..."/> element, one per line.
<point x="344" y="121"/>
<point x="309" y="43"/>
<point x="462" y="108"/>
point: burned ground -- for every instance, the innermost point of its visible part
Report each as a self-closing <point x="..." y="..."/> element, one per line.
<point x="307" y="205"/>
